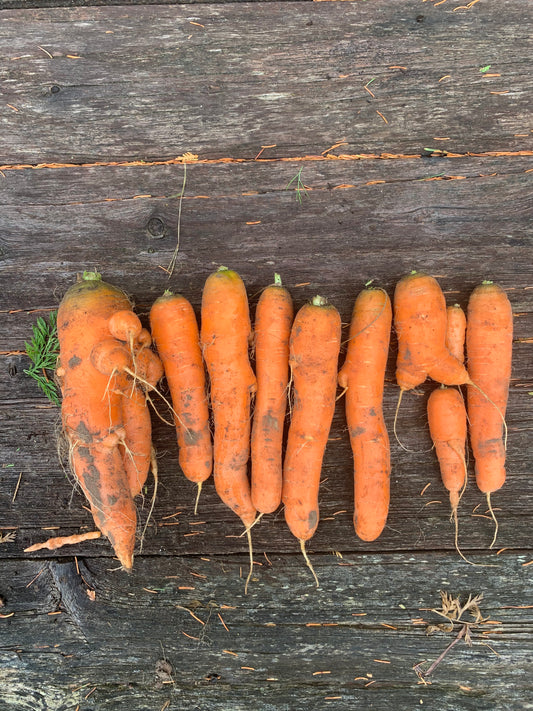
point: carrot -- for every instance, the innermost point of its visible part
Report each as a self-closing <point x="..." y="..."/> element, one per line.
<point x="455" y="332"/>
<point x="53" y="544"/>
<point x="136" y="449"/>
<point x="362" y="376"/>
<point x="273" y="320"/>
<point x="314" y="350"/>
<point x="225" y="336"/>
<point x="175" y="331"/>
<point x="447" y="426"/>
<point x="489" y="339"/>
<point x="92" y="413"/>
<point x="420" y="322"/>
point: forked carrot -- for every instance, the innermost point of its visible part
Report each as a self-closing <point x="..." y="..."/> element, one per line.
<point x="225" y="336"/>
<point x="362" y="376"/>
<point x="420" y="322"/>
<point x="314" y="351"/>
<point x="175" y="332"/>
<point x="273" y="320"/>
<point x="489" y="341"/>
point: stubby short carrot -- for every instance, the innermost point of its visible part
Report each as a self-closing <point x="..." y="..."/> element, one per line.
<point x="362" y="376"/>
<point x="225" y="337"/>
<point x="314" y="351"/>
<point x="175" y="332"/>
<point x="273" y="320"/>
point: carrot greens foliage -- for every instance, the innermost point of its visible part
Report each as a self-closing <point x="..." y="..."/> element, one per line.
<point x="43" y="350"/>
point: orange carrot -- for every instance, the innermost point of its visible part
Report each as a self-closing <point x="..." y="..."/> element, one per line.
<point x="175" y="332"/>
<point x="136" y="449"/>
<point x="273" y="319"/>
<point x="489" y="339"/>
<point x="447" y="426"/>
<point x="362" y="376"/>
<point x="420" y="322"/>
<point x="92" y="412"/>
<point x="225" y="337"/>
<point x="455" y="332"/>
<point x="314" y="350"/>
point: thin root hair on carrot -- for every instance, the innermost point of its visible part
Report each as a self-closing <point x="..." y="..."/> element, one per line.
<point x="472" y="384"/>
<point x="251" y="554"/>
<point x="153" y="387"/>
<point x="249" y="528"/>
<point x="493" y="515"/>
<point x="197" y="499"/>
<point x="153" y="462"/>
<point x="308" y="562"/>
<point x="411" y="451"/>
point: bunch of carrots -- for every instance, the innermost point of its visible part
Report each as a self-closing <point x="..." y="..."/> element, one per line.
<point x="108" y="369"/>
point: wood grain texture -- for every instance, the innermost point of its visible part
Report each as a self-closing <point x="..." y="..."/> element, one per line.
<point x="353" y="643"/>
<point x="138" y="83"/>
<point x="223" y="80"/>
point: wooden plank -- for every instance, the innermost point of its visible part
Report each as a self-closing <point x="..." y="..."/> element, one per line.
<point x="358" y="219"/>
<point x="364" y="630"/>
<point x="223" y="80"/>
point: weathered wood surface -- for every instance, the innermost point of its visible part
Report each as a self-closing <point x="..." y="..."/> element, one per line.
<point x="352" y="644"/>
<point x="132" y="83"/>
<point x="150" y="85"/>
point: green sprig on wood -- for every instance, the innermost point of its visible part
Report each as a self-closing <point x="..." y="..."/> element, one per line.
<point x="43" y="350"/>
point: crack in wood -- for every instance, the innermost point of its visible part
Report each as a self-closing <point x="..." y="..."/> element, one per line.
<point x="180" y="160"/>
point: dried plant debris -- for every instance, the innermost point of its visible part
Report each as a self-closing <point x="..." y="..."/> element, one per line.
<point x="465" y="617"/>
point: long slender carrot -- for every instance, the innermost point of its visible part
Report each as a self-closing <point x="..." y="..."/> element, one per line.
<point x="175" y="332"/>
<point x="314" y="350"/>
<point x="362" y="375"/>
<point x="489" y="340"/>
<point x="225" y="337"/>
<point x="273" y="320"/>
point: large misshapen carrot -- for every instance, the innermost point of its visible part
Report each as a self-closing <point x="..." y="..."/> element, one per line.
<point x="226" y="335"/>
<point x="489" y="341"/>
<point x="314" y="350"/>
<point x="175" y="332"/>
<point x="272" y="327"/>
<point x="362" y="376"/>
<point x="94" y="381"/>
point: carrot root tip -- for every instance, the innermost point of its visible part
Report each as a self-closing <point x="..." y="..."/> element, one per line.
<point x="308" y="562"/>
